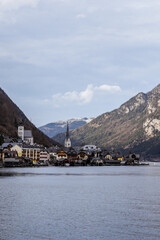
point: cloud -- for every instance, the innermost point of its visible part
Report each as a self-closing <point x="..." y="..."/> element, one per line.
<point x="11" y="6"/>
<point x="7" y="5"/>
<point x="108" y="88"/>
<point x="82" y="97"/>
<point x="81" y="15"/>
<point x="137" y="5"/>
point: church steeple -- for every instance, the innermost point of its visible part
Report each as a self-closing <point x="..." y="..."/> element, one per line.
<point x="67" y="142"/>
<point x="67" y="132"/>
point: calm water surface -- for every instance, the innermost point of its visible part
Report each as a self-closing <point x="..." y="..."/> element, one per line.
<point x="81" y="203"/>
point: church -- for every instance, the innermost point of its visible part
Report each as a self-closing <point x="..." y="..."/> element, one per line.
<point x="67" y="142"/>
<point x="25" y="135"/>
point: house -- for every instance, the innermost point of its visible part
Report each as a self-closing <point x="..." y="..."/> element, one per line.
<point x="108" y="156"/>
<point x="11" y="158"/>
<point x="18" y="149"/>
<point x="62" y="155"/>
<point x="72" y="154"/>
<point x="82" y="155"/>
<point x="53" y="152"/>
<point x="53" y="155"/>
<point x="13" y="147"/>
<point x="44" y="156"/>
<point x="120" y="157"/>
<point x="91" y="148"/>
<point x="9" y="154"/>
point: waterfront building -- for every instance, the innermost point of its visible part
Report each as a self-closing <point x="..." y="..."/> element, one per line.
<point x="53" y="155"/>
<point x="108" y="156"/>
<point x="120" y="158"/>
<point x="82" y="155"/>
<point x="72" y="154"/>
<point x="62" y="155"/>
<point x="44" y="156"/>
<point x="10" y="158"/>
<point x="13" y="147"/>
<point x="18" y="149"/>
<point x="10" y="154"/>
<point x="67" y="142"/>
<point x="31" y="152"/>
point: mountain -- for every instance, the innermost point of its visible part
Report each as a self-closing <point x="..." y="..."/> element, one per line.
<point x="134" y="126"/>
<point x="11" y="116"/>
<point x="54" y="128"/>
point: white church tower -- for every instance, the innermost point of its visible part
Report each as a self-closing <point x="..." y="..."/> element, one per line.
<point x="21" y="132"/>
<point x="67" y="142"/>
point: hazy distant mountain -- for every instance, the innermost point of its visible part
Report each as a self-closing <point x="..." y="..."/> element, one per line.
<point x="135" y="125"/>
<point x="54" y="128"/>
<point x="11" y="116"/>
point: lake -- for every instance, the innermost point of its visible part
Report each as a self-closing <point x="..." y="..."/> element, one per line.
<point x="80" y="203"/>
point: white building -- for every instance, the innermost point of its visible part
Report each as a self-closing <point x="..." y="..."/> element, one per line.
<point x="90" y="148"/>
<point x="28" y="137"/>
<point x="21" y="132"/>
<point x="44" y="156"/>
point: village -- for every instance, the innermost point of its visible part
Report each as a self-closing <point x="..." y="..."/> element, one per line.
<point x="23" y="152"/>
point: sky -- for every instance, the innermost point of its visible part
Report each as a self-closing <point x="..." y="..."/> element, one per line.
<point x="62" y="59"/>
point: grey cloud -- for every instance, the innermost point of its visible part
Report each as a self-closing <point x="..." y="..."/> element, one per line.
<point x="69" y="44"/>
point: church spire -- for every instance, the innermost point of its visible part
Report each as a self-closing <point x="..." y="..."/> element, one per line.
<point x="67" y="132"/>
<point x="67" y="142"/>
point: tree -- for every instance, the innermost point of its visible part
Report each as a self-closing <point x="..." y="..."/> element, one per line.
<point x="1" y="139"/>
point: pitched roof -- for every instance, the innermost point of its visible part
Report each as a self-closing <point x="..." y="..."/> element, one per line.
<point x="28" y="134"/>
<point x="4" y="145"/>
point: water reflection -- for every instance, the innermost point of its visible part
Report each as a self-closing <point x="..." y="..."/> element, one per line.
<point x="90" y="203"/>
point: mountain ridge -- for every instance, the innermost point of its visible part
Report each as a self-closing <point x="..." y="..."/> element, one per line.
<point x="57" y="127"/>
<point x="128" y="127"/>
<point x="11" y="116"/>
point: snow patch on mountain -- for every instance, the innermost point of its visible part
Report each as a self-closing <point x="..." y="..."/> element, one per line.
<point x="54" y="128"/>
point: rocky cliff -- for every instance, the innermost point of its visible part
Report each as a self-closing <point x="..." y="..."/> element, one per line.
<point x="134" y="126"/>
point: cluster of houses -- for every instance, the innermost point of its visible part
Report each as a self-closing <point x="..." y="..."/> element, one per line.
<point x="24" y="152"/>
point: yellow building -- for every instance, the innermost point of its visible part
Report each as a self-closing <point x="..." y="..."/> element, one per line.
<point x="120" y="158"/>
<point x="32" y="153"/>
<point x="13" y="147"/>
<point x="82" y="155"/>
<point x="18" y="149"/>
